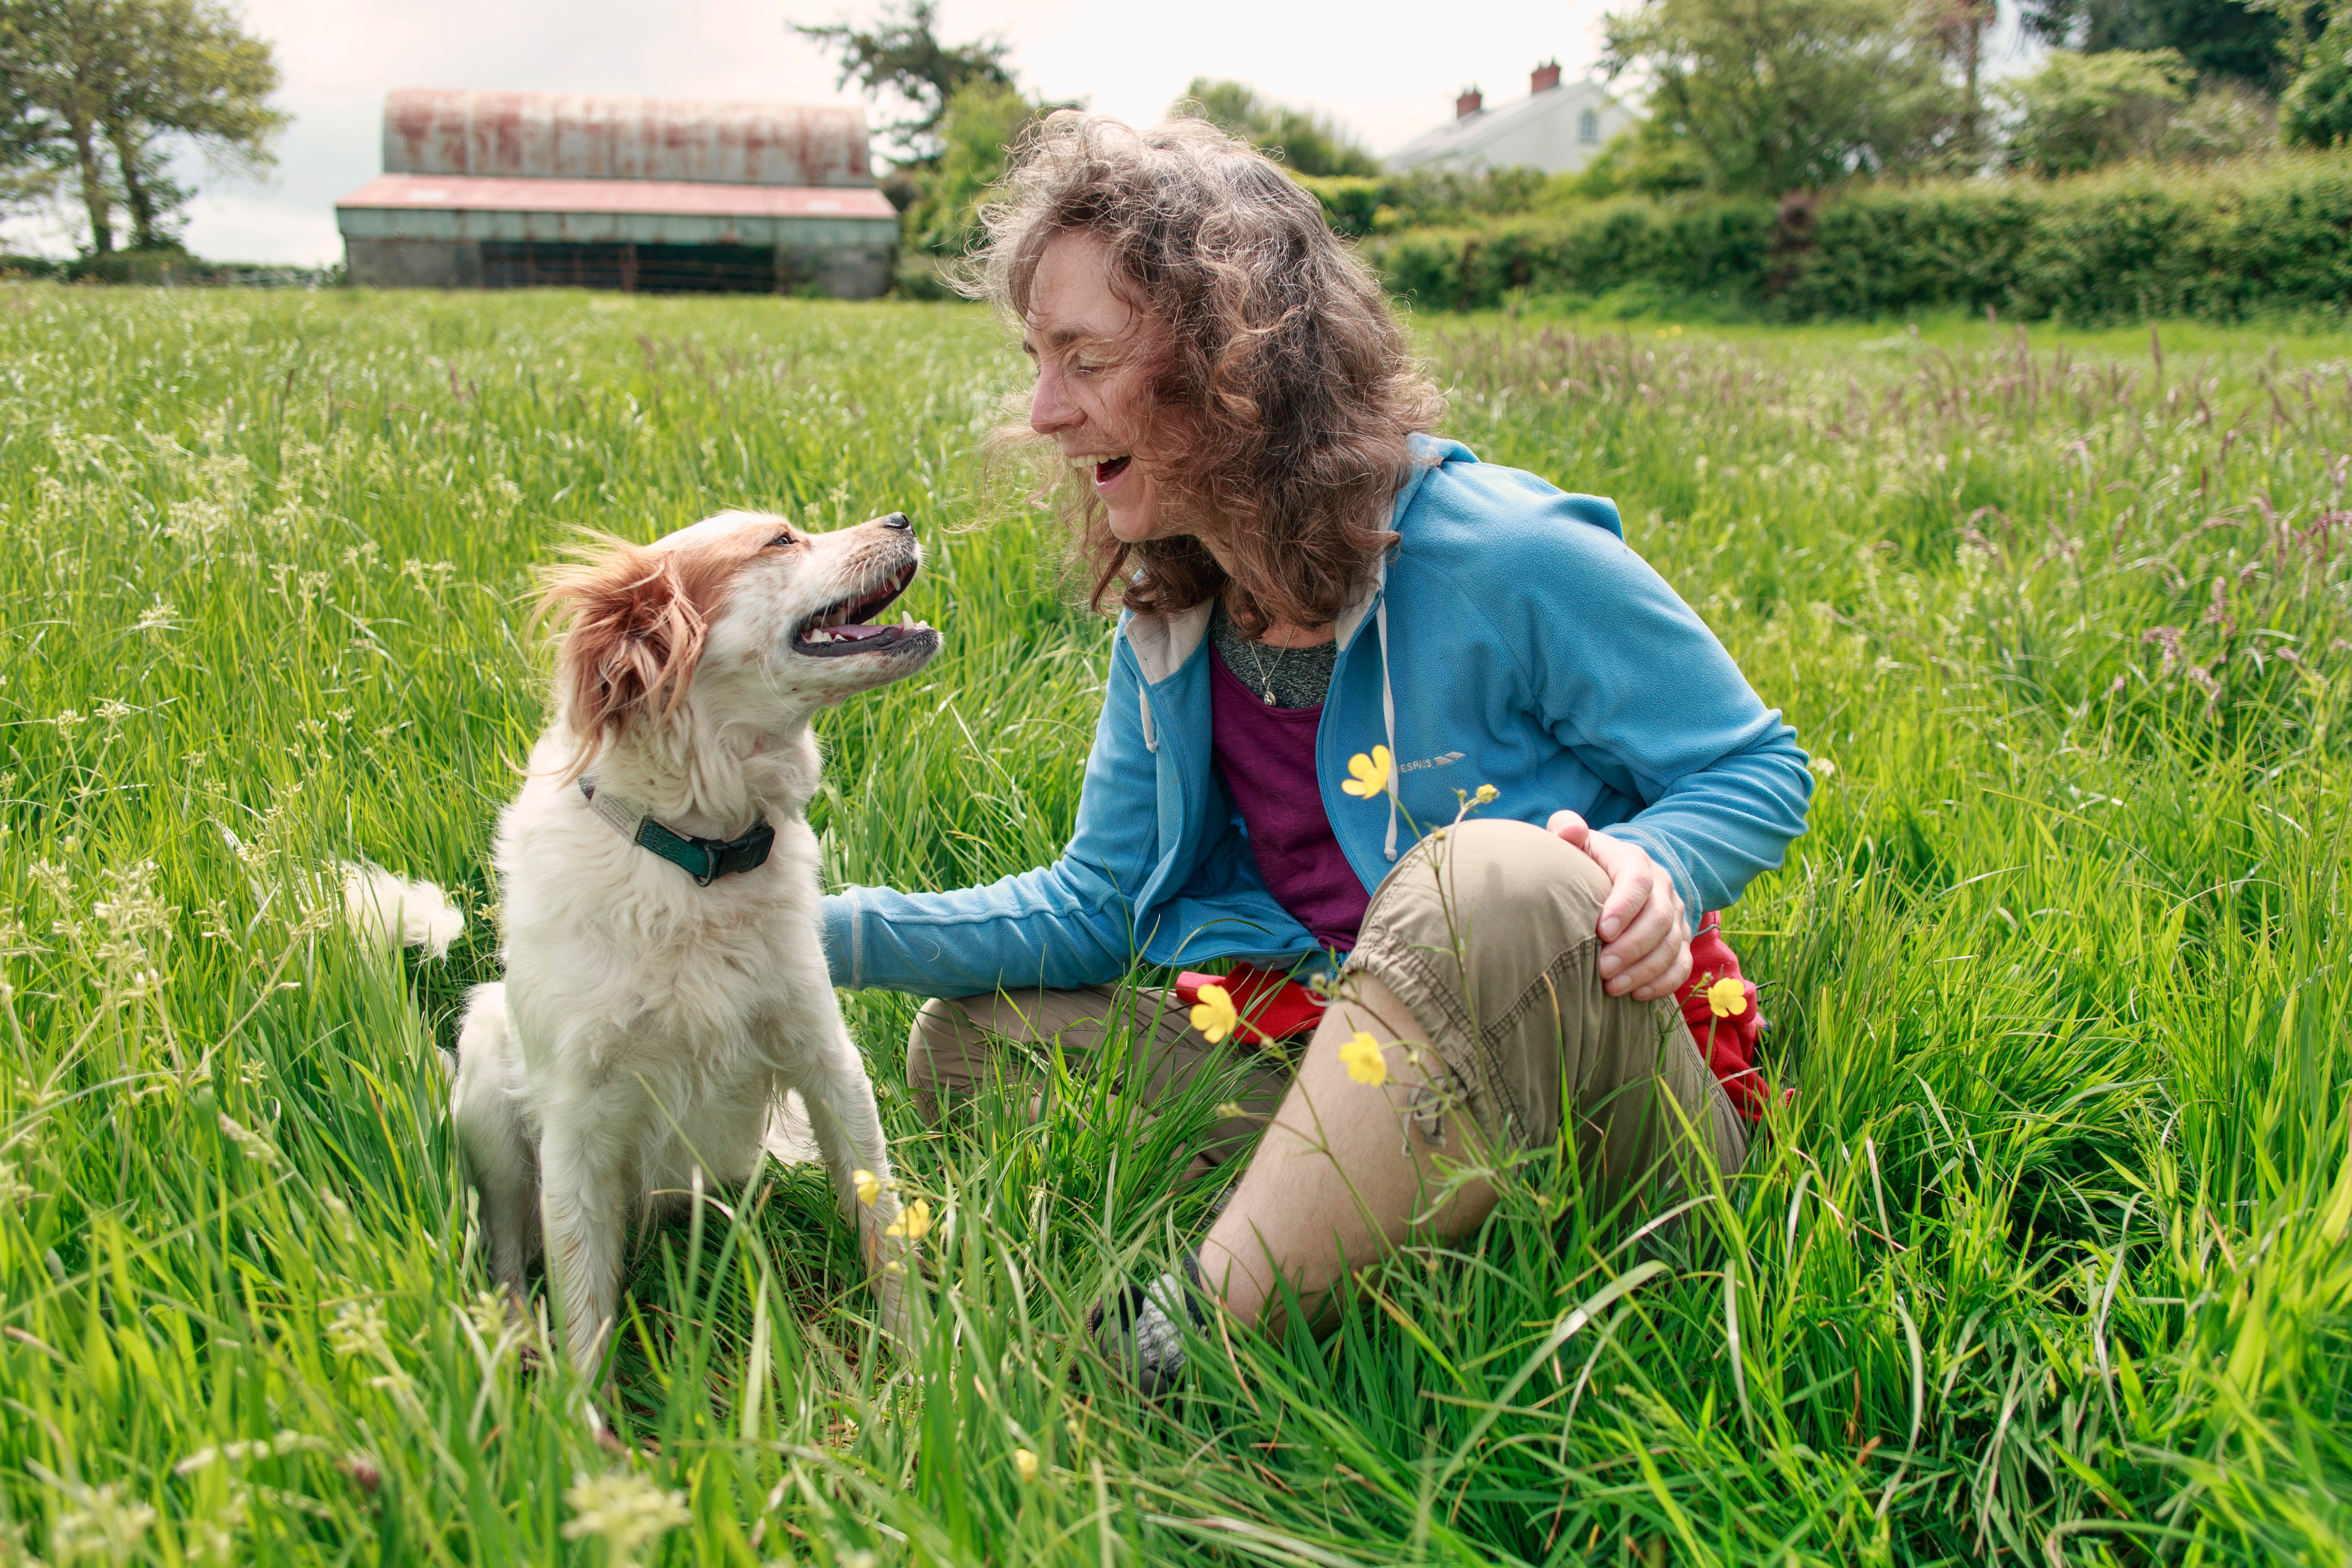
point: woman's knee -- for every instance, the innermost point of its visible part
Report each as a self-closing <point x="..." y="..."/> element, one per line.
<point x="1513" y="871"/>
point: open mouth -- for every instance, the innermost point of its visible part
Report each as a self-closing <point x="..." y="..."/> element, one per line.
<point x="1103" y="467"/>
<point x="847" y="625"/>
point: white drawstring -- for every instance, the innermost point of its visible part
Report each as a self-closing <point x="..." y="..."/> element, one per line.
<point x="1388" y="713"/>
<point x="1142" y="694"/>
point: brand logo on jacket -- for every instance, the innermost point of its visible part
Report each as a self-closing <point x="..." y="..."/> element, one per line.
<point x="1446" y="761"/>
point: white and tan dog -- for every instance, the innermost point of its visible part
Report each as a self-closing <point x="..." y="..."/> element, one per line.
<point x="666" y="982"/>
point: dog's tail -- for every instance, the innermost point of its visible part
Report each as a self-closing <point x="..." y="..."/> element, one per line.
<point x="389" y="913"/>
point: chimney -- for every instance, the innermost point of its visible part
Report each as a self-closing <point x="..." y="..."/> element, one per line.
<point x="1469" y="101"/>
<point x="1543" y="78"/>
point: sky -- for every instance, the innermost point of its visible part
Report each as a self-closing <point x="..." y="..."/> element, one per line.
<point x="1388" y="69"/>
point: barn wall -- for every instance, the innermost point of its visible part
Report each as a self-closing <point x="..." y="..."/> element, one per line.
<point x="842" y="271"/>
<point x="413" y="263"/>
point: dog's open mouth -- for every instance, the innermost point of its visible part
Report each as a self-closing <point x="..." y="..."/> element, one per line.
<point x="848" y="626"/>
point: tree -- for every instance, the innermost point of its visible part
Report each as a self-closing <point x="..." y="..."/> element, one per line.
<point x="1959" y="27"/>
<point x="982" y="120"/>
<point x="901" y="55"/>
<point x="2318" y="110"/>
<point x="1774" y="95"/>
<point x="2243" y="42"/>
<point x="109" y="88"/>
<point x="28" y="170"/>
<point x="2081" y="111"/>
<point x="1304" y="142"/>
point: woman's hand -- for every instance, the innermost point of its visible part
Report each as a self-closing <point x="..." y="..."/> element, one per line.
<point x="1646" y="941"/>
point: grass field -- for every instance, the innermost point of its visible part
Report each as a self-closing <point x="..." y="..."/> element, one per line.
<point x="2045" y="1262"/>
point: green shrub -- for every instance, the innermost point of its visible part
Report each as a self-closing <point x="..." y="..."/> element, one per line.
<point x="2318" y="110"/>
<point x="981" y="120"/>
<point x="1358" y="205"/>
<point x="1350" y="202"/>
<point x="2079" y="111"/>
<point x="1711" y="248"/>
<point x="2222" y="243"/>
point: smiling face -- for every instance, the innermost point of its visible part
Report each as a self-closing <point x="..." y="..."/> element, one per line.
<point x="744" y="616"/>
<point x="1094" y="354"/>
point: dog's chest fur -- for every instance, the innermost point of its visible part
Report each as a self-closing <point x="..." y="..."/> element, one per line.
<point x="618" y="964"/>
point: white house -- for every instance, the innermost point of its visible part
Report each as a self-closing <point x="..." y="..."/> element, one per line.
<point x="1557" y="128"/>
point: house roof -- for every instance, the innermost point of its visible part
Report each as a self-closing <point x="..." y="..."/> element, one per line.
<point x="1465" y="137"/>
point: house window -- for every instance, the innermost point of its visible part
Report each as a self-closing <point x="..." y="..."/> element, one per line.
<point x="1588" y="127"/>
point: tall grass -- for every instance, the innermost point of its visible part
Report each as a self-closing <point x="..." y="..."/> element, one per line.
<point x="2044" y="1258"/>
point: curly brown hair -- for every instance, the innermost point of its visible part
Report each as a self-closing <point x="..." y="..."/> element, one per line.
<point x="1285" y="391"/>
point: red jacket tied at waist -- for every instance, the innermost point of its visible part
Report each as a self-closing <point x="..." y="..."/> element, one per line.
<point x="1274" y="1007"/>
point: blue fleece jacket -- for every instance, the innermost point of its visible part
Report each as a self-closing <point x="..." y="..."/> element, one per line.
<point x="1511" y="638"/>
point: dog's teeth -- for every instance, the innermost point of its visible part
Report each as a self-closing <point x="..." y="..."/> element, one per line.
<point x="906" y="618"/>
<point x="820" y="636"/>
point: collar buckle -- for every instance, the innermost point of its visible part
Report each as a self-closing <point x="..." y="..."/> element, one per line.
<point x="704" y="859"/>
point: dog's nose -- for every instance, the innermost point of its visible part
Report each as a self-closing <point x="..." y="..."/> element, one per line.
<point x="895" y="520"/>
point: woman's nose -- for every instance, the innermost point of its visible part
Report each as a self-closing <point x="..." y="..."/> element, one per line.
<point x="1050" y="408"/>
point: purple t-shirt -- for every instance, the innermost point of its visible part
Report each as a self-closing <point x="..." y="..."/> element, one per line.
<point x="1267" y="757"/>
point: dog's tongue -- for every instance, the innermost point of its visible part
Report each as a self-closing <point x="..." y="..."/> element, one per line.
<point x="858" y="632"/>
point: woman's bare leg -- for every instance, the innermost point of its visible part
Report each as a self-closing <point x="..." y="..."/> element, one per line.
<point x="1341" y="1175"/>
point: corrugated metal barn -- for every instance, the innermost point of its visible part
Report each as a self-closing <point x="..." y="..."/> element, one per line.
<point x="510" y="190"/>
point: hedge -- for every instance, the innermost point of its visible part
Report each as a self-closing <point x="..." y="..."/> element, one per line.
<point x="167" y="269"/>
<point x="2222" y="243"/>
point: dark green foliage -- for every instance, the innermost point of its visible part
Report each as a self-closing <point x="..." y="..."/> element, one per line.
<point x="2318" y="110"/>
<point x="2218" y="37"/>
<point x="2224" y="244"/>
<point x="1714" y="249"/>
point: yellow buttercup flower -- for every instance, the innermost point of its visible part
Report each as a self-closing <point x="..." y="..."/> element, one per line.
<point x="1487" y="794"/>
<point x="1362" y="1059"/>
<point x="869" y="1186"/>
<point x="1369" y="775"/>
<point x="1727" y="998"/>
<point x="914" y="1222"/>
<point x="1215" y="1017"/>
<point x="1025" y="1463"/>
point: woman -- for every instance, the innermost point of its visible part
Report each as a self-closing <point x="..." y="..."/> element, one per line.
<point x="1317" y="594"/>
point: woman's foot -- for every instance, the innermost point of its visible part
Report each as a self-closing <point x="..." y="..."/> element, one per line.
<point x="1141" y="1331"/>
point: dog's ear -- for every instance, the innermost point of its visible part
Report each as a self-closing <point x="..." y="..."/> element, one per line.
<point x="637" y="620"/>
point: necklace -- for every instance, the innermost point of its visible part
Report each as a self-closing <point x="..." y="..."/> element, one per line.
<point x="1264" y="676"/>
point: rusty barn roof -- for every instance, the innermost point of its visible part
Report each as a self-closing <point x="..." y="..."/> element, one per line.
<point x="585" y="136"/>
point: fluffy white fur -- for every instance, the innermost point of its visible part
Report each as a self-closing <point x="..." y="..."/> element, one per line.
<point x="389" y="913"/>
<point x="646" y="1026"/>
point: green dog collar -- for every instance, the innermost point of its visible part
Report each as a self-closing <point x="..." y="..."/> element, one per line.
<point x="704" y="859"/>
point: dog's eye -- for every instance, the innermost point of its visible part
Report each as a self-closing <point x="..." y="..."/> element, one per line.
<point x="781" y="541"/>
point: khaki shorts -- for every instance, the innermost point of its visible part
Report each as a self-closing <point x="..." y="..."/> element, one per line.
<point x="1489" y="935"/>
